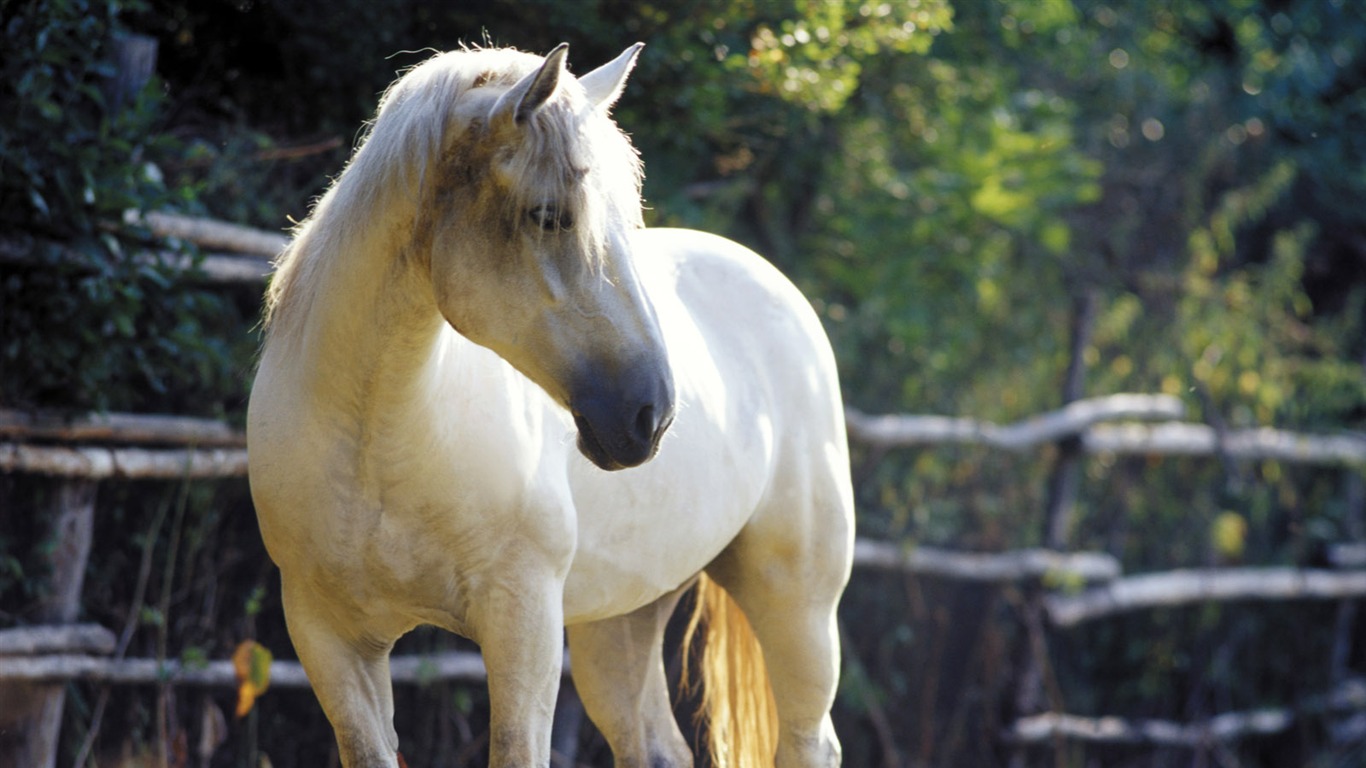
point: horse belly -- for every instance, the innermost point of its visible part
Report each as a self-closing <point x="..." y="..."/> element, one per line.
<point x="645" y="532"/>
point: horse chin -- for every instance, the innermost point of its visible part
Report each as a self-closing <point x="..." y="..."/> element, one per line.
<point x="624" y="458"/>
<point x="594" y="453"/>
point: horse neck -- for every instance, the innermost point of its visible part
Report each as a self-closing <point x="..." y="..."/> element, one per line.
<point x="369" y="325"/>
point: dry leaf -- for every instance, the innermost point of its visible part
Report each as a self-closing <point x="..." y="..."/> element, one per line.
<point x="251" y="662"/>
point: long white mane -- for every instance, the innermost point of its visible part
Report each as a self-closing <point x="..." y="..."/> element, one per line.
<point x="430" y="124"/>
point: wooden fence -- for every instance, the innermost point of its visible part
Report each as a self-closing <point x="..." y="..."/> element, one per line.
<point x="79" y="451"/>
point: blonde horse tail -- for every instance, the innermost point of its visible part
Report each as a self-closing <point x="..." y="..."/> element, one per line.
<point x="737" y="700"/>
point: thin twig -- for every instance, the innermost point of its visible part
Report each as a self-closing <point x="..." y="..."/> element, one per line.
<point x="877" y="716"/>
<point x="129" y="625"/>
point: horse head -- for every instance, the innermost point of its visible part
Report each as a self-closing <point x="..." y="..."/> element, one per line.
<point x="530" y="256"/>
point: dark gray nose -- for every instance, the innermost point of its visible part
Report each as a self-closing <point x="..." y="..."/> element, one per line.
<point x="621" y="423"/>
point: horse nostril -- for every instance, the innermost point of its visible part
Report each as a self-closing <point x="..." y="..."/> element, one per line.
<point x="645" y="424"/>
<point x="650" y="426"/>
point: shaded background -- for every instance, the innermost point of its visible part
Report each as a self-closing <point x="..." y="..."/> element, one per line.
<point x="996" y="206"/>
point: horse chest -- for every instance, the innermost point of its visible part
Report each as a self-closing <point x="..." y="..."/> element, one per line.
<point x="393" y="516"/>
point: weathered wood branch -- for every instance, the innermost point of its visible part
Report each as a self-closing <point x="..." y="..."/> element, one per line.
<point x="898" y="430"/>
<point x="118" y="428"/>
<point x="97" y="463"/>
<point x="1045" y="727"/>
<point x="1172" y="589"/>
<point x="1181" y="439"/>
<point x="1350" y="554"/>
<point x="215" y="268"/>
<point x="986" y="567"/>
<point x="462" y="666"/>
<point x="210" y="233"/>
<point x="62" y="638"/>
<point x="222" y="268"/>
<point x="1230" y="726"/>
<point x="1084" y="418"/>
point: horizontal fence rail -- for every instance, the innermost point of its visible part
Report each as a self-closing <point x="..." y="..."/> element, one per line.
<point x="903" y="431"/>
<point x="990" y="567"/>
<point x="1046" y="727"/>
<point x="452" y="666"/>
<point x="1181" y="439"/>
<point x="230" y="253"/>
<point x="1083" y="419"/>
<point x="1171" y="589"/>
<point x="61" y="638"/>
<point x="211" y="268"/>
<point x="100" y="463"/>
<point x="118" y="428"/>
<point x="210" y="234"/>
<point x="46" y="654"/>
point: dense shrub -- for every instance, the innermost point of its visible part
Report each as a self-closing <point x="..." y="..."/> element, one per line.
<point x="94" y="313"/>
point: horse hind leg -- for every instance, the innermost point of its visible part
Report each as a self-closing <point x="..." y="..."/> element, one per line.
<point x="786" y="572"/>
<point x="618" y="669"/>
<point x="351" y="680"/>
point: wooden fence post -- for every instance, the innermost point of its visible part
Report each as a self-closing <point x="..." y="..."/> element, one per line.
<point x="134" y="58"/>
<point x="31" y="713"/>
<point x="1031" y="690"/>
<point x="1065" y="481"/>
<point x="1346" y="730"/>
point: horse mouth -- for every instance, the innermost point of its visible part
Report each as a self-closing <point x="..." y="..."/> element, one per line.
<point x="621" y="422"/>
<point x="611" y="456"/>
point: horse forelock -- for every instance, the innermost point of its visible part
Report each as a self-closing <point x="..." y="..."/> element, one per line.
<point x="569" y="154"/>
<point x="575" y="157"/>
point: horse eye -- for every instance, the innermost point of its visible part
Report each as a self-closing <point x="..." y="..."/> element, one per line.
<point x="550" y="218"/>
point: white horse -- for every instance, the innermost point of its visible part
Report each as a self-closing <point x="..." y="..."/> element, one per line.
<point x="475" y="287"/>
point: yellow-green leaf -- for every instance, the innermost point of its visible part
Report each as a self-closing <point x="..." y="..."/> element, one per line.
<point x="251" y="662"/>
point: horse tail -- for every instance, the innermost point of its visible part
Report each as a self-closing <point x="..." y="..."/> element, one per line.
<point x="737" y="700"/>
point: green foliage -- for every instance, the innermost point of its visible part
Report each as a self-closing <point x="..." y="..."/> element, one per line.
<point x="90" y="319"/>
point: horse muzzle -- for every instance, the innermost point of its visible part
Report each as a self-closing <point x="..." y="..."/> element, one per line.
<point x="620" y="427"/>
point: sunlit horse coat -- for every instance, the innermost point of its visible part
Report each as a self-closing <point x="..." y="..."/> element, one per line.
<point x="475" y="290"/>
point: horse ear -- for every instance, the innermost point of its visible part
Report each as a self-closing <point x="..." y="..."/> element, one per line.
<point x="604" y="84"/>
<point x="532" y="92"/>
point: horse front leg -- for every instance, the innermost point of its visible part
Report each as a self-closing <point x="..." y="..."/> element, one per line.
<point x="349" y="674"/>
<point x="520" y="631"/>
